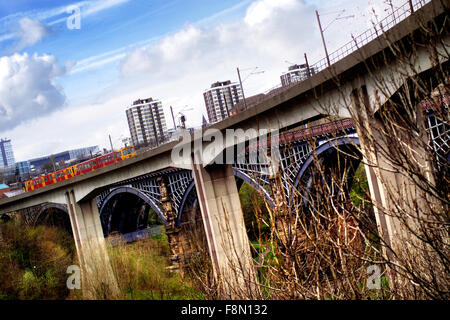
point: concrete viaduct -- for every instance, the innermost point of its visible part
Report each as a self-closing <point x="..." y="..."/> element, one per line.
<point x="362" y="80"/>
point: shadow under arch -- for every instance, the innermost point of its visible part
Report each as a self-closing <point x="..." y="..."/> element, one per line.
<point x="238" y="174"/>
<point x="139" y="194"/>
<point x="54" y="214"/>
<point x="329" y="145"/>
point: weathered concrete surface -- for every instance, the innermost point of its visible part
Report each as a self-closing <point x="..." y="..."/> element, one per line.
<point x="98" y="278"/>
<point x="311" y="99"/>
<point x="317" y="96"/>
<point x="225" y="230"/>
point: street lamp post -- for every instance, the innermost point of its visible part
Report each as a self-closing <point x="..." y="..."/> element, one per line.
<point x="322" y="31"/>
<point x="242" y="88"/>
<point x="323" y="40"/>
<point x="307" y="66"/>
<point x="173" y="119"/>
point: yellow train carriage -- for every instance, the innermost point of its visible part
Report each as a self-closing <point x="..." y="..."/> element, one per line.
<point x="73" y="171"/>
<point x="127" y="152"/>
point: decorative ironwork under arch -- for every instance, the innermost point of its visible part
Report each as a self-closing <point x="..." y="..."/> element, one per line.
<point x="137" y="193"/>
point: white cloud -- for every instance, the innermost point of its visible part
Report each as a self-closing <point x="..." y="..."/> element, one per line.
<point x="27" y="88"/>
<point x="269" y="33"/>
<point x="51" y="17"/>
<point x="30" y="32"/>
<point x="177" y="68"/>
<point x="263" y="10"/>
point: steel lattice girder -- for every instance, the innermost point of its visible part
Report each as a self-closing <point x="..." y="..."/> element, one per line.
<point x="294" y="158"/>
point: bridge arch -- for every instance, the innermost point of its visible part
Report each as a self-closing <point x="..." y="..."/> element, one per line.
<point x="239" y="174"/>
<point x="254" y="184"/>
<point x="48" y="206"/>
<point x="54" y="214"/>
<point x="320" y="151"/>
<point x="187" y="193"/>
<point x="130" y="191"/>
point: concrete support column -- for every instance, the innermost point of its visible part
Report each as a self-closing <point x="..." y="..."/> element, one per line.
<point x="225" y="231"/>
<point x="98" y="281"/>
<point x="392" y="156"/>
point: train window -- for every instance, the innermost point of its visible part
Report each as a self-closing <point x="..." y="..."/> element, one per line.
<point x="132" y="150"/>
<point x="125" y="152"/>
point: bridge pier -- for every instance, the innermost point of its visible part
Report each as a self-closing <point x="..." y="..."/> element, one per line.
<point x="401" y="201"/>
<point x="98" y="281"/>
<point x="225" y="231"/>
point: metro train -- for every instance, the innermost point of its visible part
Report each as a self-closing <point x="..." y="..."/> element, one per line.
<point x="80" y="168"/>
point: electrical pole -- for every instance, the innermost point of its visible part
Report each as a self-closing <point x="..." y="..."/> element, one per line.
<point x="110" y="141"/>
<point x="112" y="149"/>
<point x="307" y="66"/>
<point x="242" y="89"/>
<point x="173" y="119"/>
<point x="52" y="158"/>
<point x="323" y="40"/>
<point x="411" y="7"/>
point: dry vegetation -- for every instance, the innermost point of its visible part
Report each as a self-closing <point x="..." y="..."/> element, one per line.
<point x="324" y="245"/>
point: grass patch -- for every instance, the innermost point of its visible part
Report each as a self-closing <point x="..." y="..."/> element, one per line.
<point x="141" y="272"/>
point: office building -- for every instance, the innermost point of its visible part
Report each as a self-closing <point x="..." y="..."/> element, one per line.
<point x="221" y="98"/>
<point x="296" y="73"/>
<point x="69" y="156"/>
<point x="6" y="154"/>
<point x="23" y="168"/>
<point x="147" y="122"/>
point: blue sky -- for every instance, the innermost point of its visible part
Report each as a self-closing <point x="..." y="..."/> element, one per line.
<point x="119" y="26"/>
<point x="64" y="88"/>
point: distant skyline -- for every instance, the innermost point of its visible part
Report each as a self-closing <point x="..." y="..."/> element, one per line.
<point x="64" y="88"/>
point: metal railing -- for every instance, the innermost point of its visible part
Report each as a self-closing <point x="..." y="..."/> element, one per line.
<point x="397" y="15"/>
